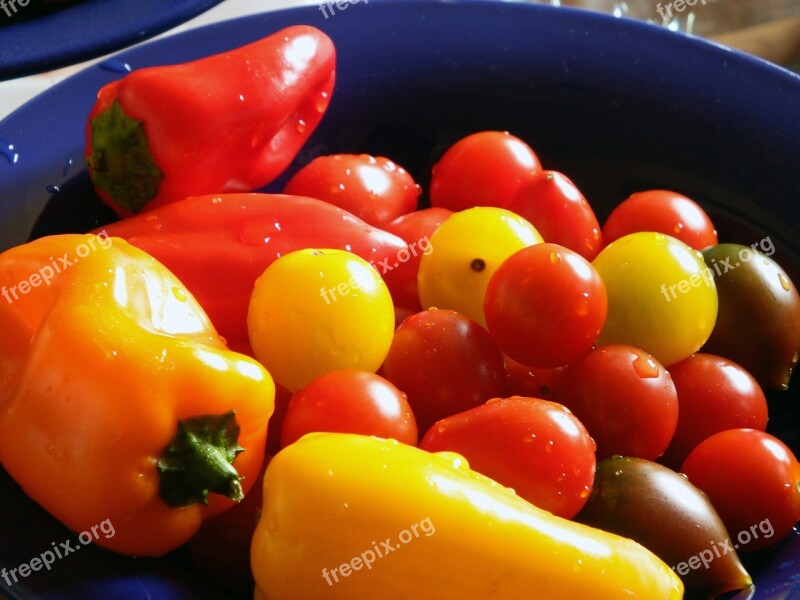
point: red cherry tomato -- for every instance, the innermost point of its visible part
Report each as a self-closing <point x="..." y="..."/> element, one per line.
<point x="482" y="169"/>
<point x="714" y="394"/>
<point x="350" y="401"/>
<point x="374" y="189"/>
<point x="624" y="397"/>
<point x="534" y="446"/>
<point x="752" y="479"/>
<point x="530" y="381"/>
<point x="665" y="212"/>
<point x="446" y="363"/>
<point x="416" y="229"/>
<point x="545" y="305"/>
<point x="558" y="210"/>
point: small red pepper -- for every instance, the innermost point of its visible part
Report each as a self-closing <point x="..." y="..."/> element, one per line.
<point x="218" y="245"/>
<point x="228" y="122"/>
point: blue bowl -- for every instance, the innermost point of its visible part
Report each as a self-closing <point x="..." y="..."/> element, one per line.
<point x="617" y="105"/>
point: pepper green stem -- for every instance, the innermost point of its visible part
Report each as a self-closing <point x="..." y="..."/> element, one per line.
<point x="120" y="161"/>
<point x="198" y="461"/>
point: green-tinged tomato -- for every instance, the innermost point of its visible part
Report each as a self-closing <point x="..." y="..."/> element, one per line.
<point x="466" y="250"/>
<point x="317" y="311"/>
<point x="661" y="296"/>
<point x="758" y="325"/>
<point x="660" y="509"/>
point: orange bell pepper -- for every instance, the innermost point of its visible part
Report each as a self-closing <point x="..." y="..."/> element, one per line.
<point x="118" y="400"/>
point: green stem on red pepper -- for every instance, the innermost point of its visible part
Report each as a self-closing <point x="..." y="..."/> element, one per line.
<point x="121" y="162"/>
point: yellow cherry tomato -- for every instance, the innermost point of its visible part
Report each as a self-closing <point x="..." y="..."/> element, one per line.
<point x="661" y="296"/>
<point x="465" y="251"/>
<point x="316" y="311"/>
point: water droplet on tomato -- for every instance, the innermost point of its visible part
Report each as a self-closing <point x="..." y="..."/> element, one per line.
<point x="785" y="283"/>
<point x="179" y="294"/>
<point x="645" y="367"/>
<point x="555" y="258"/>
<point x="301" y="126"/>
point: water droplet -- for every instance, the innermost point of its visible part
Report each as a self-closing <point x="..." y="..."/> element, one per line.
<point x="678" y="228"/>
<point x="52" y="189"/>
<point x="115" y="65"/>
<point x="555" y="258"/>
<point x="645" y="367"/>
<point x="301" y="126"/>
<point x="8" y="151"/>
<point x="179" y="294"/>
<point x="67" y="167"/>
<point x="785" y="283"/>
<point x="322" y="102"/>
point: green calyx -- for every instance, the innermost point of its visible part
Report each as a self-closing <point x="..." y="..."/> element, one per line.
<point x="121" y="163"/>
<point x="198" y="461"/>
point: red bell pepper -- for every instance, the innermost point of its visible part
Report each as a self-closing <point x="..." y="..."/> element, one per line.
<point x="218" y="245"/>
<point x="228" y="122"/>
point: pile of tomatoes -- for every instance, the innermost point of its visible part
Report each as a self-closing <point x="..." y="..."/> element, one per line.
<point x="532" y="340"/>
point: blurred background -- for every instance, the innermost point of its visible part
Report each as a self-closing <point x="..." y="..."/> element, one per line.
<point x="769" y="29"/>
<point x="705" y="18"/>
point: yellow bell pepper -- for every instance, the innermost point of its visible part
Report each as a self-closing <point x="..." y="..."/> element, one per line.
<point x="119" y="402"/>
<point x="355" y="517"/>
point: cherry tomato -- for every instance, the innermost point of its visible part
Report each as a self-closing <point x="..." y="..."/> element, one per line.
<point x="483" y="169"/>
<point x="663" y="211"/>
<point x="661" y="296"/>
<point x="558" y="210"/>
<point x="758" y="324"/>
<point x="530" y="381"/>
<point x="534" y="446"/>
<point x="446" y="363"/>
<point x="350" y="401"/>
<point x="714" y="394"/>
<point x="624" y="397"/>
<point x="753" y="480"/>
<point x="374" y="189"/>
<point x="416" y="229"/>
<point x="545" y="305"/>
<point x="465" y="251"/>
<point x="316" y="311"/>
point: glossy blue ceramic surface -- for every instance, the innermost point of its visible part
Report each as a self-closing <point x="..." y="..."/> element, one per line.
<point x="617" y="105"/>
<point x="89" y="29"/>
